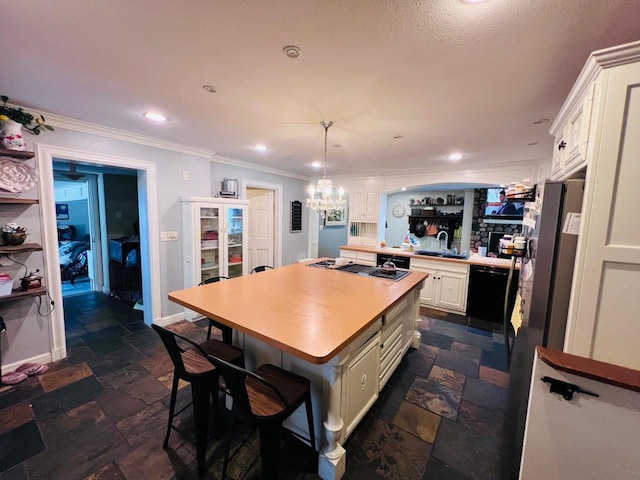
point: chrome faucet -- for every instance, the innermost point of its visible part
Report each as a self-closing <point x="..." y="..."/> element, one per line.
<point x="446" y="239"/>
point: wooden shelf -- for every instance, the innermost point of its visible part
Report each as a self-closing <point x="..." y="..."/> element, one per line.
<point x="19" y="201"/>
<point x="25" y="247"/>
<point x="18" y="294"/>
<point x="528" y="196"/>
<point x="20" y="154"/>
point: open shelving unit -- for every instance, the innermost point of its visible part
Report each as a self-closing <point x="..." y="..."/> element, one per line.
<point x="25" y="247"/>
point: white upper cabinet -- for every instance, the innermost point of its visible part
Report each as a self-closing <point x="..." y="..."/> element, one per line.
<point x="364" y="201"/>
<point x="571" y="132"/>
<point x="603" y="313"/>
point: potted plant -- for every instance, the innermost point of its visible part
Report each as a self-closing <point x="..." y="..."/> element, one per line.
<point x="13" y="119"/>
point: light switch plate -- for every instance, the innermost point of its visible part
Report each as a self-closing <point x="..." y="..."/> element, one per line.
<point x="168" y="236"/>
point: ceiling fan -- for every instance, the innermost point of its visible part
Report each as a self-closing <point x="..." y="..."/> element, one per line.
<point x="73" y="174"/>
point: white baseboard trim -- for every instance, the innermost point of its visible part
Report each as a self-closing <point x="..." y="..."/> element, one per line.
<point x="44" y="359"/>
<point x="164" y="321"/>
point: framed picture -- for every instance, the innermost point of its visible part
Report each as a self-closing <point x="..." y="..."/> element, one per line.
<point x="334" y="218"/>
<point x="62" y="211"/>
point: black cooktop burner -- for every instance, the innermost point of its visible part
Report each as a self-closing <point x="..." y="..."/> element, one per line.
<point x="363" y="270"/>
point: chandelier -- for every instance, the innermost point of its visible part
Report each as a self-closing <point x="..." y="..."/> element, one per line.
<point x="320" y="197"/>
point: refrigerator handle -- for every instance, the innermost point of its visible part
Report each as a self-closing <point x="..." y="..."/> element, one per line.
<point x="506" y="319"/>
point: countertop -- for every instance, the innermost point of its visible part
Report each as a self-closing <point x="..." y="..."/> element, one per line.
<point x="474" y="259"/>
<point x="309" y="312"/>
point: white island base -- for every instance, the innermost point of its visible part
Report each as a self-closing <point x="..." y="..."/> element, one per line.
<point x="345" y="388"/>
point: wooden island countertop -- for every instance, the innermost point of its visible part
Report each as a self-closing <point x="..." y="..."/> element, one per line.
<point x="311" y="313"/>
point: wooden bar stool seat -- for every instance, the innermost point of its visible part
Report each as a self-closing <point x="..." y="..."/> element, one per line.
<point x="265" y="397"/>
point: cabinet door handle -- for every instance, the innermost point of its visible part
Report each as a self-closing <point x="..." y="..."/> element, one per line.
<point x="561" y="145"/>
<point x="567" y="390"/>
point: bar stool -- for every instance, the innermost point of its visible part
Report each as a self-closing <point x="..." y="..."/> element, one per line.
<point x="261" y="268"/>
<point x="191" y="365"/>
<point x="227" y="332"/>
<point x="266" y="397"/>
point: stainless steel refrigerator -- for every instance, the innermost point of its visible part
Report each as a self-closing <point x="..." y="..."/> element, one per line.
<point x="545" y="286"/>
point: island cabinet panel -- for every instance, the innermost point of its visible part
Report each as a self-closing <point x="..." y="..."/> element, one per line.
<point x="360" y="380"/>
<point x="394" y="339"/>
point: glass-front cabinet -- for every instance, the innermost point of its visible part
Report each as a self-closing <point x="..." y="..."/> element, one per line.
<point x="214" y="239"/>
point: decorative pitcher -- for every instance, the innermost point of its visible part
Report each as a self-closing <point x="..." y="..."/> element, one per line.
<point x="12" y="135"/>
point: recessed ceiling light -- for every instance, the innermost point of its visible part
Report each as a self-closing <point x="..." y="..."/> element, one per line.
<point x="455" y="156"/>
<point x="533" y="143"/>
<point x="404" y="189"/>
<point x="156" y="117"/>
<point x="260" y="148"/>
<point x="541" y="121"/>
<point x="397" y="137"/>
<point x="292" y="51"/>
<point x="209" y="88"/>
<point x="316" y="164"/>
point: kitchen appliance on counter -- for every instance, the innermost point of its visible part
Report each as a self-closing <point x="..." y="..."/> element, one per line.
<point x="363" y="270"/>
<point x="229" y="188"/>
<point x="546" y="275"/>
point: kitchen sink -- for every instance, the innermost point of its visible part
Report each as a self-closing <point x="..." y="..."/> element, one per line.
<point x="432" y="253"/>
<point x="454" y="255"/>
<point x="429" y="253"/>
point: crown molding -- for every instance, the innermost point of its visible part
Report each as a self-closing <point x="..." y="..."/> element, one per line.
<point x="116" y="134"/>
<point x="597" y="61"/>
<point x="259" y="168"/>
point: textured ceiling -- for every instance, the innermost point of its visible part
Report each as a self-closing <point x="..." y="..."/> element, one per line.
<point x="442" y="74"/>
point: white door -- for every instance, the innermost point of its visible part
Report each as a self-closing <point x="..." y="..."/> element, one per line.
<point x="261" y="239"/>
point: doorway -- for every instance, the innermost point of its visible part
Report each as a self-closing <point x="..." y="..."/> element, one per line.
<point x="145" y="178"/>
<point x="265" y="222"/>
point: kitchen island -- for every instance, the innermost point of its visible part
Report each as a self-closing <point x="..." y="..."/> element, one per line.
<point x="345" y="332"/>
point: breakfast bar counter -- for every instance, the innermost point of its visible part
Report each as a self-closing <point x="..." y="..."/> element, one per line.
<point x="345" y="332"/>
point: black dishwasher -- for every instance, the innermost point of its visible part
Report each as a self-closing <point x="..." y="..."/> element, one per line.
<point x="400" y="261"/>
<point x="487" y="288"/>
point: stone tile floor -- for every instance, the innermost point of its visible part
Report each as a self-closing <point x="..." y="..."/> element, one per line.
<point x="101" y="413"/>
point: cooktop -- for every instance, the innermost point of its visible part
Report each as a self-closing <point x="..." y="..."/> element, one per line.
<point x="363" y="270"/>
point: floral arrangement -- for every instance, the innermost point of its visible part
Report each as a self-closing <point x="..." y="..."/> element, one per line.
<point x="27" y="120"/>
<point x="13" y="228"/>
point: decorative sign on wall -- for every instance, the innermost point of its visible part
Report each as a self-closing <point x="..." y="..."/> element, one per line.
<point x="296" y="216"/>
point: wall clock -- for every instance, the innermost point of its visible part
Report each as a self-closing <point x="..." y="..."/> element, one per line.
<point x="398" y="211"/>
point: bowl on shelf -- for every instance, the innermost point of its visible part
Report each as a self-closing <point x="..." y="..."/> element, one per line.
<point x="13" y="239"/>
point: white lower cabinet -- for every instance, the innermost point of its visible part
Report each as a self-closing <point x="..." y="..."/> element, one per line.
<point x="360" y="376"/>
<point x="446" y="286"/>
<point x="364" y="258"/>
